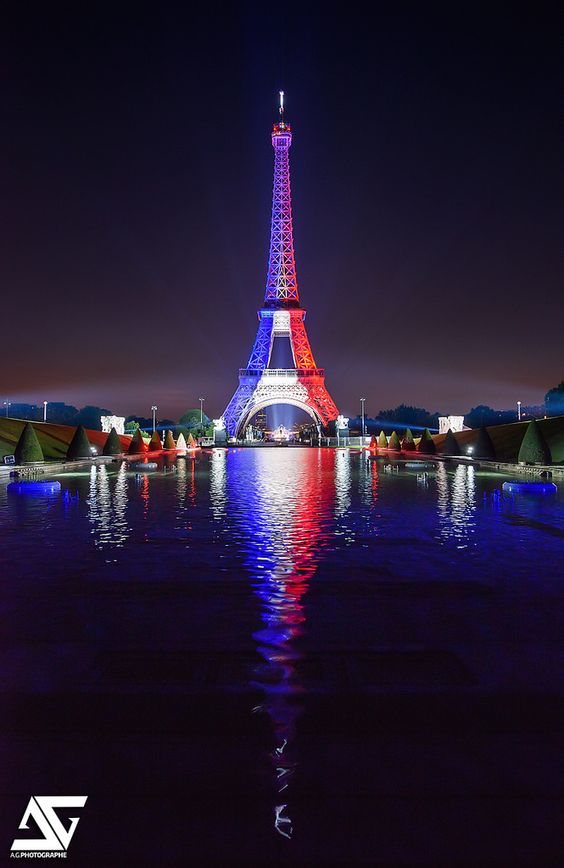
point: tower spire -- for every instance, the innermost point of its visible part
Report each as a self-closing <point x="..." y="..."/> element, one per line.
<point x="281" y="280"/>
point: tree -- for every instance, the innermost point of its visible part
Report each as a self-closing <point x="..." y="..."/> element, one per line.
<point x="137" y="444"/>
<point x="112" y="446"/>
<point x="406" y="415"/>
<point x="191" y="420"/>
<point x="61" y="413"/>
<point x="408" y="443"/>
<point x="382" y="440"/>
<point x="155" y="444"/>
<point x="79" y="447"/>
<point x="484" y="415"/>
<point x="484" y="447"/>
<point x="131" y="426"/>
<point x="90" y="417"/>
<point x="169" y="441"/>
<point x="394" y="442"/>
<point x="534" y="448"/>
<point x="426" y="443"/>
<point x="450" y="444"/>
<point x="554" y="400"/>
<point x="28" y="448"/>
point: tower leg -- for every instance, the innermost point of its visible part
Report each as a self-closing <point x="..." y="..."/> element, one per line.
<point x="237" y="407"/>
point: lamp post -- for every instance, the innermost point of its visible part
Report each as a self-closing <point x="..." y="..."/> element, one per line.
<point x="45" y="411"/>
<point x="154" y="409"/>
<point x="201" y="400"/>
<point x="363" y="432"/>
<point x="7" y="406"/>
<point x="519" y="410"/>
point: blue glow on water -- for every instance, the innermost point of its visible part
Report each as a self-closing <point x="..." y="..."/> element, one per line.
<point x="279" y="581"/>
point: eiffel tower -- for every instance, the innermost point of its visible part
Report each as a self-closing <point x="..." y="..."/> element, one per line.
<point x="260" y="385"/>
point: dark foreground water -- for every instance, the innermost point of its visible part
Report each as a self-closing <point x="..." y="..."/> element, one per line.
<point x="285" y="655"/>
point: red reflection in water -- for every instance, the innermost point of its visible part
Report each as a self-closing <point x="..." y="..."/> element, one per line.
<point x="292" y="501"/>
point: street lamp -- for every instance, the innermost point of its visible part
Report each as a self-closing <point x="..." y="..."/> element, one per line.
<point x="45" y="411"/>
<point x="201" y="400"/>
<point x="7" y="406"/>
<point x="154" y="409"/>
<point x="519" y="410"/>
<point x="362" y="400"/>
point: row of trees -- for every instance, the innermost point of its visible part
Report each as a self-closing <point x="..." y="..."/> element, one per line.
<point x="482" y="415"/>
<point x="28" y="448"/>
<point x="425" y="444"/>
<point x="533" y="450"/>
<point x="66" y="414"/>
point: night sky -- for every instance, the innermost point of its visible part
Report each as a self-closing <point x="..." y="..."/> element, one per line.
<point x="136" y="176"/>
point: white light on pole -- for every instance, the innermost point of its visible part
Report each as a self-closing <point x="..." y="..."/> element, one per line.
<point x="201" y="400"/>
<point x="45" y="411"/>
<point x="362" y="402"/>
<point x="519" y="410"/>
<point x="7" y="406"/>
<point x="154" y="409"/>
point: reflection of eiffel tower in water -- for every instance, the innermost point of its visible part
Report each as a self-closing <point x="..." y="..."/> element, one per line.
<point x="260" y="385"/>
<point x="281" y="519"/>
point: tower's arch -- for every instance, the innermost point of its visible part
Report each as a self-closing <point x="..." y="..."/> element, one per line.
<point x="247" y="416"/>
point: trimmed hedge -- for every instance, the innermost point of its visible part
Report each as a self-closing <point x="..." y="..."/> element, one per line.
<point x="79" y="447"/>
<point x="450" y="444"/>
<point x="155" y="444"/>
<point x="394" y="442"/>
<point x="534" y="448"/>
<point x="382" y="440"/>
<point x="169" y="441"/>
<point x="426" y="444"/>
<point x="373" y="442"/>
<point x="112" y="446"/>
<point x="408" y="443"/>
<point x="191" y="441"/>
<point x="181" y="442"/>
<point x="137" y="444"/>
<point x="28" y="447"/>
<point x="484" y="447"/>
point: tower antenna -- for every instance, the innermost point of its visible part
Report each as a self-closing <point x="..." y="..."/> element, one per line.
<point x="281" y="107"/>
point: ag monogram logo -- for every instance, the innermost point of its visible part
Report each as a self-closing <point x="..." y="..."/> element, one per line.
<point x="56" y="837"/>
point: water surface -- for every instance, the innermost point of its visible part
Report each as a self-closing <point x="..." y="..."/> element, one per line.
<point x="286" y="654"/>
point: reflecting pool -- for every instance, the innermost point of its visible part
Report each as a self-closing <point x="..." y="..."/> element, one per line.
<point x="284" y="654"/>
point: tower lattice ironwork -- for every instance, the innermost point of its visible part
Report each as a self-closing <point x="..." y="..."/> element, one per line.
<point x="260" y="385"/>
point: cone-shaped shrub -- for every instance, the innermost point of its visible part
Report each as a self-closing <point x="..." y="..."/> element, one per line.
<point x="112" y="446"/>
<point x="155" y="443"/>
<point x="450" y="444"/>
<point x="79" y="447"/>
<point x="181" y="442"/>
<point x="28" y="447"/>
<point x="137" y="444"/>
<point x="426" y="444"/>
<point x="191" y="441"/>
<point x="394" y="442"/>
<point x="408" y="443"/>
<point x="373" y="442"/>
<point x="484" y="447"/>
<point x="169" y="441"/>
<point x="534" y="448"/>
<point x="382" y="440"/>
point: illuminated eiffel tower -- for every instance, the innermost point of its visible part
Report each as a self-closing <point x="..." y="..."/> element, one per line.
<point x="260" y="385"/>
